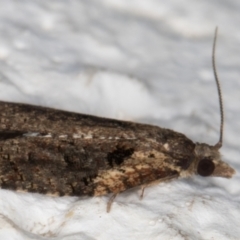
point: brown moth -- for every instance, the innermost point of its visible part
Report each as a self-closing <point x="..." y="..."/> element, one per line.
<point x="56" y="152"/>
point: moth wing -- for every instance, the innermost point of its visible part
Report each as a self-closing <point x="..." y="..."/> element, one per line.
<point x="134" y="172"/>
<point x="47" y="166"/>
<point x="63" y="167"/>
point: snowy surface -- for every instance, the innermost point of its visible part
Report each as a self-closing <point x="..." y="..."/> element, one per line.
<point x="141" y="60"/>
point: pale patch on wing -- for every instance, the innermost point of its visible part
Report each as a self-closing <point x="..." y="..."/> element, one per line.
<point x="110" y="179"/>
<point x="49" y="135"/>
<point x="166" y="146"/>
<point x="63" y="136"/>
<point x="31" y="134"/>
<point x="82" y="135"/>
<point x="37" y="134"/>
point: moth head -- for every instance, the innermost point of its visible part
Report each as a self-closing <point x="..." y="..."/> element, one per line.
<point x="209" y="162"/>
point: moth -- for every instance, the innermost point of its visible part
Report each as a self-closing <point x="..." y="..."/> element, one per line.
<point x="49" y="151"/>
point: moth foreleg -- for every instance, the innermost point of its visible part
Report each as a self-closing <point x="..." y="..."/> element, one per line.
<point x="110" y="201"/>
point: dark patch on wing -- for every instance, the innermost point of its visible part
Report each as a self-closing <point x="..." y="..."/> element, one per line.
<point x="4" y="135"/>
<point x="118" y="155"/>
<point x="151" y="155"/>
<point x="184" y="162"/>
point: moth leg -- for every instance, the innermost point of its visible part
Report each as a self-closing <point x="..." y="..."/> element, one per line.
<point x="142" y="190"/>
<point x="110" y="201"/>
<point x="155" y="183"/>
<point x="151" y="184"/>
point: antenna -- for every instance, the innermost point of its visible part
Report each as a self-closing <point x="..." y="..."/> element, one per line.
<point x="219" y="143"/>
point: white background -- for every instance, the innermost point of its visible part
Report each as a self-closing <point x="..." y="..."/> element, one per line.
<point x="146" y="61"/>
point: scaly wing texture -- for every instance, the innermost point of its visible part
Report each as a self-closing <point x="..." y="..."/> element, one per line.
<point x="62" y="153"/>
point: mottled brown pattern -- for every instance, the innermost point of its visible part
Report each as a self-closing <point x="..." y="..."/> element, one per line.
<point x="63" y="153"/>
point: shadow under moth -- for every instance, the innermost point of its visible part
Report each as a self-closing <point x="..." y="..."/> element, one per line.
<point x="60" y="153"/>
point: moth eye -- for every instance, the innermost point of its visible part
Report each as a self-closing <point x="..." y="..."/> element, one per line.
<point x="205" y="167"/>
